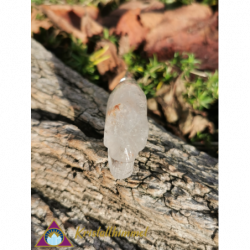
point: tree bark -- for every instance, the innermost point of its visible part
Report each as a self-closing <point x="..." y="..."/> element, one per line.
<point x="173" y="190"/>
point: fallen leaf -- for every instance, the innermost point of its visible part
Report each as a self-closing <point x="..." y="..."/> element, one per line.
<point x="113" y="68"/>
<point x="77" y="20"/>
<point x="185" y="121"/>
<point x="180" y="88"/>
<point x="113" y="81"/>
<point x="113" y="62"/>
<point x="187" y="29"/>
<point x="92" y="11"/>
<point x="124" y="46"/>
<point x="153" y="106"/>
<point x="177" y="110"/>
<point x="176" y="20"/>
<point x="129" y="24"/>
<point x="112" y="19"/>
<point x="188" y="14"/>
<point x="36" y="23"/>
<point x="90" y="27"/>
<point x="150" y="20"/>
<point x="155" y="6"/>
<point x="199" y="124"/>
<point x="169" y="104"/>
<point x="144" y="6"/>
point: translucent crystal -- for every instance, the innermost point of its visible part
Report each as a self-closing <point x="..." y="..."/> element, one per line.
<point x="126" y="127"/>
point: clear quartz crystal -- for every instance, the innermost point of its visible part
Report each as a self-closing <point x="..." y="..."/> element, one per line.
<point x="126" y="127"/>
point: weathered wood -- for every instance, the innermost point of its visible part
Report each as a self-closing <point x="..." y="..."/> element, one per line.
<point x="173" y="189"/>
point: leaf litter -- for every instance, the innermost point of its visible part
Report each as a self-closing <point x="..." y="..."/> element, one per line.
<point x="150" y="30"/>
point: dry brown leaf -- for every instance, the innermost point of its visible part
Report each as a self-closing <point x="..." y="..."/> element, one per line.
<point x="189" y="14"/>
<point x="36" y="24"/>
<point x="113" y="81"/>
<point x="199" y="124"/>
<point x="153" y="6"/>
<point x="153" y="106"/>
<point x="144" y="6"/>
<point x="90" y="27"/>
<point x="175" y="106"/>
<point x="112" y="19"/>
<point x="176" y="20"/>
<point x="150" y="20"/>
<point x="185" y="122"/>
<point x="66" y="11"/>
<point x="124" y="46"/>
<point x="176" y="109"/>
<point x="113" y="68"/>
<point x="65" y="20"/>
<point x="129" y="24"/>
<point x="187" y="29"/>
<point x="92" y="11"/>
<point x="112" y="63"/>
<point x="170" y="106"/>
<point x="69" y="19"/>
<point x="180" y="88"/>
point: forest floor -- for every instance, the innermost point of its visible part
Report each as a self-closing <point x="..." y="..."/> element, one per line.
<point x="170" y="47"/>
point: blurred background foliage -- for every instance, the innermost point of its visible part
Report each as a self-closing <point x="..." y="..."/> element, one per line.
<point x="201" y="87"/>
<point x="118" y="2"/>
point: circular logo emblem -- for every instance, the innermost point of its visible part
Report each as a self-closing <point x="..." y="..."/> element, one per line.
<point x="53" y="236"/>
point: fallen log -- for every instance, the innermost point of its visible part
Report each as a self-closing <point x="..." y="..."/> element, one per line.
<point x="173" y="190"/>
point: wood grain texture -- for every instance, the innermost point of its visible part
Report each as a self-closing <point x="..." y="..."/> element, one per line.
<point x="173" y="189"/>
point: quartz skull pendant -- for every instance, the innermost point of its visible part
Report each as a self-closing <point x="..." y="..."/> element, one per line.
<point x="126" y="127"/>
